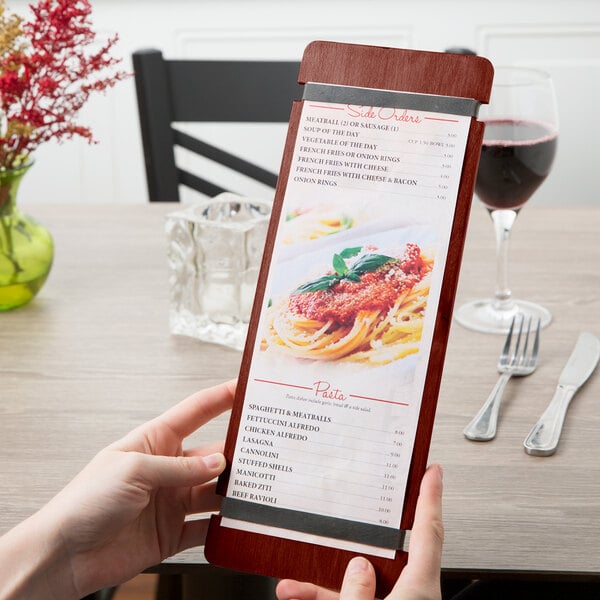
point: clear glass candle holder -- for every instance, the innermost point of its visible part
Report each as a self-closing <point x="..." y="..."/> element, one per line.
<point x="215" y="250"/>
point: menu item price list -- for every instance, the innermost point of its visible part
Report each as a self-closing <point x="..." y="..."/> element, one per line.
<point x="390" y="482"/>
<point x="323" y="462"/>
<point x="401" y="151"/>
<point x="341" y="457"/>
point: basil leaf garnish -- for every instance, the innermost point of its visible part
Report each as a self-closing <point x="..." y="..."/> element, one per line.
<point x="323" y="283"/>
<point x="339" y="265"/>
<point x="350" y="252"/>
<point x="365" y="264"/>
<point x="369" y="262"/>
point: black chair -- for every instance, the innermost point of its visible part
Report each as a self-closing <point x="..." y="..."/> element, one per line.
<point x="215" y="91"/>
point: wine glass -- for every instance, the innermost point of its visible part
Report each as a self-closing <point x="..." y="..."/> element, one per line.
<point x="521" y="132"/>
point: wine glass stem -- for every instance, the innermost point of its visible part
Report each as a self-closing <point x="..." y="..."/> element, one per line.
<point x="503" y="222"/>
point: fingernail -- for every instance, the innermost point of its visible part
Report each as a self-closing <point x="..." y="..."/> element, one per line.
<point x="214" y="461"/>
<point x="358" y="565"/>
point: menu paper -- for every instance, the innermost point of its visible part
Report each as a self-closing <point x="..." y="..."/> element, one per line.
<point x="342" y="347"/>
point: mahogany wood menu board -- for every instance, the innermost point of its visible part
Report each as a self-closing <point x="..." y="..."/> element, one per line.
<point x="335" y="404"/>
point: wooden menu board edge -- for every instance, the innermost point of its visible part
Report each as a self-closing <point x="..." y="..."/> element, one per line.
<point x="282" y="558"/>
<point x="443" y="323"/>
<point x="278" y="557"/>
<point x="236" y="411"/>
<point x="417" y="71"/>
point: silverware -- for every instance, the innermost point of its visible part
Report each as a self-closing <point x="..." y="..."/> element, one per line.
<point x="543" y="438"/>
<point x="518" y="363"/>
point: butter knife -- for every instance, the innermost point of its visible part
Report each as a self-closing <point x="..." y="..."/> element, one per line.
<point x="543" y="438"/>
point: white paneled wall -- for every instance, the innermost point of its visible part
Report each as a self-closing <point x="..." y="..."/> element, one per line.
<point x="561" y="37"/>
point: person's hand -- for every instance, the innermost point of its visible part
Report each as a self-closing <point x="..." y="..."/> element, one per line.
<point x="420" y="579"/>
<point x="126" y="510"/>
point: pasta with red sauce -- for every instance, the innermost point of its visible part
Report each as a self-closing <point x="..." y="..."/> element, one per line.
<point x="369" y="309"/>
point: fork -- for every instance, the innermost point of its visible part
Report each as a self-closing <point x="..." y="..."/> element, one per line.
<point x="519" y="362"/>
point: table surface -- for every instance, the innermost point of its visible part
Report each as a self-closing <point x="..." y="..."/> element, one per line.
<point x="92" y="357"/>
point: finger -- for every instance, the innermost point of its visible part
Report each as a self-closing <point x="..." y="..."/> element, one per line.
<point x="359" y="580"/>
<point x="193" y="534"/>
<point x="178" y="471"/>
<point x="288" y="589"/>
<point x="426" y="538"/>
<point x="203" y="498"/>
<point x="199" y="408"/>
<point x="206" y="450"/>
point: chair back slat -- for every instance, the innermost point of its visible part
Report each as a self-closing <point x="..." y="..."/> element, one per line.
<point x="224" y="158"/>
<point x="205" y="91"/>
<point x="197" y="183"/>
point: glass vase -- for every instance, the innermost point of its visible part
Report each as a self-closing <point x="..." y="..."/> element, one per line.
<point x="26" y="247"/>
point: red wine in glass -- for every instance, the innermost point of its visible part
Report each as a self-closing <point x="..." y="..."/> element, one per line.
<point x="516" y="157"/>
<point x="519" y="145"/>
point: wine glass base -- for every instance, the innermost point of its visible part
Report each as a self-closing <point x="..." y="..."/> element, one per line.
<point x="482" y="315"/>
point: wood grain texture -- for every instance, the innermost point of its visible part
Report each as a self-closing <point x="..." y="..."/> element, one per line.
<point x="92" y="357"/>
<point x="378" y="68"/>
<point x="396" y="69"/>
<point x="507" y="511"/>
<point x="280" y="557"/>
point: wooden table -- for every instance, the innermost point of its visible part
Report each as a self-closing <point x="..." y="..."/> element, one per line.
<point x="92" y="357"/>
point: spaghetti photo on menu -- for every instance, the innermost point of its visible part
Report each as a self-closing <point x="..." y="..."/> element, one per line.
<point x="361" y="303"/>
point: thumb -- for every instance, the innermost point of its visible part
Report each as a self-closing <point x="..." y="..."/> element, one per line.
<point x="359" y="580"/>
<point x="181" y="471"/>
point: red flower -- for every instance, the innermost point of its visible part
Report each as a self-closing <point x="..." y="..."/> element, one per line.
<point x="47" y="75"/>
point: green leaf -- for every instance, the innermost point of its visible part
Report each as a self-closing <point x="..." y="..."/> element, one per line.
<point x="369" y="262"/>
<point x="339" y="265"/>
<point x="365" y="264"/>
<point x="350" y="252"/>
<point x="347" y="222"/>
<point x="323" y="283"/>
